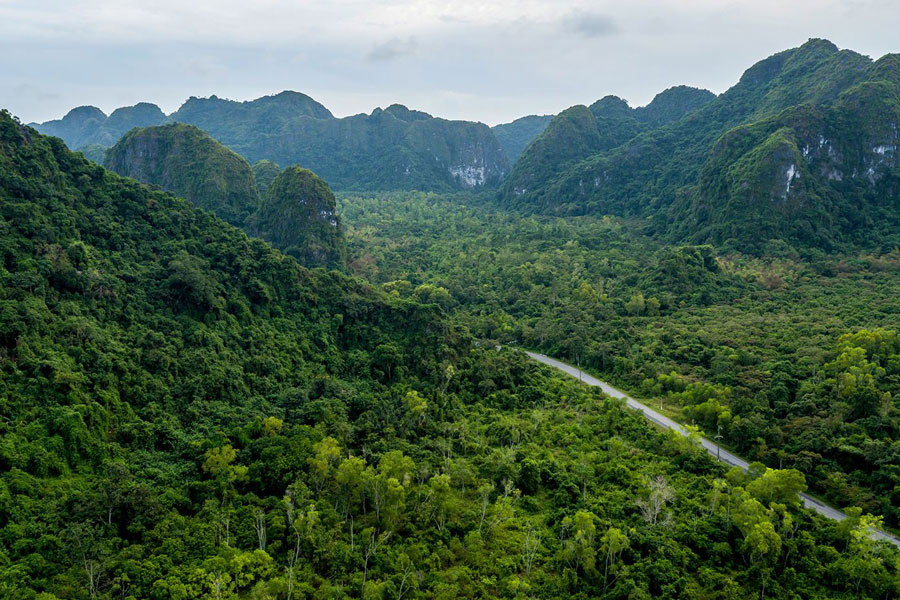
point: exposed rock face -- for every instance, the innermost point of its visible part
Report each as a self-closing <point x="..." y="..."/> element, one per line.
<point x="390" y="149"/>
<point x="802" y="149"/>
<point x="811" y="175"/>
<point x="186" y="161"/>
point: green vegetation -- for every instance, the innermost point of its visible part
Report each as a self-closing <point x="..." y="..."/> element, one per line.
<point x="749" y="349"/>
<point x="187" y="412"/>
<point x="825" y="177"/>
<point x="515" y="136"/>
<point x="190" y="414"/>
<point x="88" y="127"/>
<point x="265" y="172"/>
<point x="298" y="216"/>
<point x="297" y="213"/>
<point x="391" y="149"/>
<point x="94" y="152"/>
<point x="394" y="148"/>
<point x="580" y="132"/>
<point x="184" y="160"/>
<point x="802" y="149"/>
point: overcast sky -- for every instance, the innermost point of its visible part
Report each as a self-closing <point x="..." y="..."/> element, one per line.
<point x="485" y="60"/>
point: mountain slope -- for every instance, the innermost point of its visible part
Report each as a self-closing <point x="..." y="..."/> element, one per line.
<point x="184" y="160"/>
<point x="229" y="121"/>
<point x="190" y="414"/>
<point x="515" y="136"/>
<point x="298" y="215"/>
<point x="814" y="176"/>
<point x="89" y="126"/>
<point x="577" y="134"/>
<point x="394" y="148"/>
<point x="644" y="175"/>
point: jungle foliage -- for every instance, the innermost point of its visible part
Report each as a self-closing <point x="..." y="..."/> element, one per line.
<point x="188" y="413"/>
<point x="792" y="359"/>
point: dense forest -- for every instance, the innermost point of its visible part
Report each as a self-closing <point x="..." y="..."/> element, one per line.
<point x="792" y="359"/>
<point x="292" y="209"/>
<point x="802" y="149"/>
<point x="191" y="414"/>
<point x="218" y="379"/>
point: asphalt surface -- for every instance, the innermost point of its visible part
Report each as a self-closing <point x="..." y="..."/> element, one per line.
<point x="720" y="453"/>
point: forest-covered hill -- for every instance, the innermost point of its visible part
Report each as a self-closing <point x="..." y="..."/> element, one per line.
<point x="800" y="150"/>
<point x="294" y="210"/>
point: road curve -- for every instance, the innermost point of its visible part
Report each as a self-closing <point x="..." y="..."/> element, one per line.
<point x="720" y="453"/>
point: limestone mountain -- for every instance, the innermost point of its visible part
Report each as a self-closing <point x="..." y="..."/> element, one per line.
<point x="184" y="160"/>
<point x="88" y="126"/>
<point x="672" y="104"/>
<point x="233" y="122"/>
<point x="77" y="128"/>
<point x="801" y="149"/>
<point x="299" y="215"/>
<point x="822" y="175"/>
<point x="265" y="172"/>
<point x="394" y="148"/>
<point x="390" y="149"/>
<point x="581" y="132"/>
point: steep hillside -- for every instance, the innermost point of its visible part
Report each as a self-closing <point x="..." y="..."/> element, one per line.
<point x="394" y="148"/>
<point x="184" y="160"/>
<point x="265" y="172"/>
<point x="814" y="176"/>
<point x="515" y="136"/>
<point x="578" y="133"/>
<point x="190" y="414"/>
<point x="298" y="215"/>
<point x="572" y="135"/>
<point x="673" y="104"/>
<point x="231" y="122"/>
<point x="77" y="128"/>
<point x="644" y="175"/>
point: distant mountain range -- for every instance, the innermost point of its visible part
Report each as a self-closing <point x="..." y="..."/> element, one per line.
<point x="803" y="150"/>
<point x="390" y="149"/>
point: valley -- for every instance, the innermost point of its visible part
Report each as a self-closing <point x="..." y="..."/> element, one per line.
<point x="253" y="350"/>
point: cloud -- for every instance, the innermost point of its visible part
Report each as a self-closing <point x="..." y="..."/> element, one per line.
<point x="589" y="24"/>
<point x="392" y="49"/>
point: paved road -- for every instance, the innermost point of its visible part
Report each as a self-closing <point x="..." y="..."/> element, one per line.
<point x="711" y="447"/>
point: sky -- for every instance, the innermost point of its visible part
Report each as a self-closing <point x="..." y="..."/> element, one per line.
<point x="480" y="60"/>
